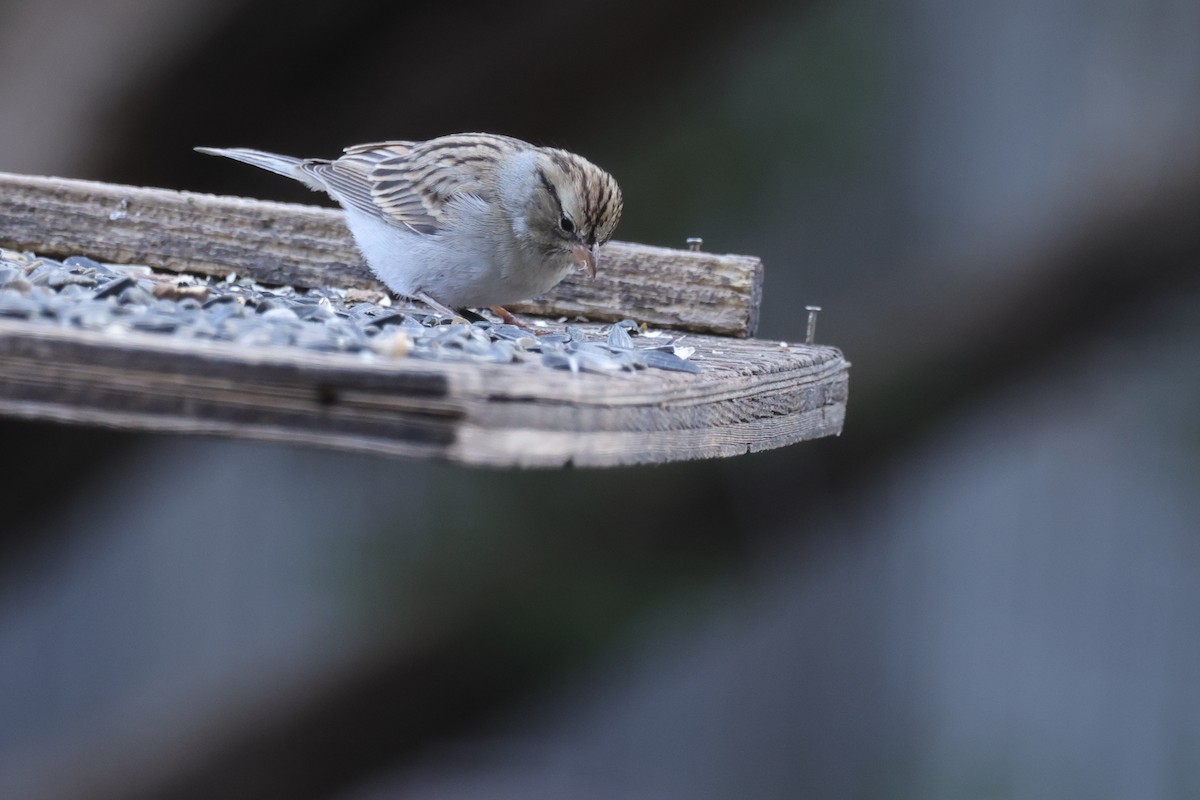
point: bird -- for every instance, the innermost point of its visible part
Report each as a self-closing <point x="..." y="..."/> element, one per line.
<point x="466" y="220"/>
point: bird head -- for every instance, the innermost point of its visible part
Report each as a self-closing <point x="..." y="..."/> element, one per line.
<point x="573" y="209"/>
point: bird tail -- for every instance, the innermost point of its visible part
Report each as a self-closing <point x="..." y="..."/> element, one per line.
<point x="287" y="166"/>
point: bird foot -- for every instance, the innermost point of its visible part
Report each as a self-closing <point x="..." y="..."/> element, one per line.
<point x="509" y="318"/>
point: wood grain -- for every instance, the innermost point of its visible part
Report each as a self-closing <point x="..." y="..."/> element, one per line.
<point x="283" y="243"/>
<point x="750" y="396"/>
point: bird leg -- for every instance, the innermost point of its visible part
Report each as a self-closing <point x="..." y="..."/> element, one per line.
<point x="508" y="317"/>
<point x="503" y="313"/>
<point x="435" y="305"/>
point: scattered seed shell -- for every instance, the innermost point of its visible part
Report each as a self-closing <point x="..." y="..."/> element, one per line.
<point x="116" y="298"/>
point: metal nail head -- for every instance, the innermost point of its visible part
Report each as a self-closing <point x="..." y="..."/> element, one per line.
<point x="694" y="243"/>
<point x="811" y="335"/>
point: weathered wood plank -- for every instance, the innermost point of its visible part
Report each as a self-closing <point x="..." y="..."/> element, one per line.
<point x="283" y="243"/>
<point x="750" y="396"/>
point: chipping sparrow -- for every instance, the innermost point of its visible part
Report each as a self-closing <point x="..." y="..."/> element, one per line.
<point x="467" y="220"/>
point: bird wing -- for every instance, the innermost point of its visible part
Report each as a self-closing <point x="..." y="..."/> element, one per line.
<point x="351" y="180"/>
<point x="347" y="180"/>
<point x="419" y="184"/>
<point x="409" y="188"/>
<point x="415" y="184"/>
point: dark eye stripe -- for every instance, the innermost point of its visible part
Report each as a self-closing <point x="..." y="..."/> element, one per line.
<point x="550" y="188"/>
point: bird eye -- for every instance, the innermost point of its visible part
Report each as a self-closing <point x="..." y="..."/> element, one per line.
<point x="566" y="224"/>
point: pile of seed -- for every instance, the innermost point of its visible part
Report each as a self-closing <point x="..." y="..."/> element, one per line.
<point x="82" y="293"/>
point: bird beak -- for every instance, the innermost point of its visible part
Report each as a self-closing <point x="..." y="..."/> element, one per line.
<point x="586" y="258"/>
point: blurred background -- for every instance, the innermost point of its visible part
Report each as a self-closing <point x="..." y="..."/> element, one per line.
<point x="988" y="587"/>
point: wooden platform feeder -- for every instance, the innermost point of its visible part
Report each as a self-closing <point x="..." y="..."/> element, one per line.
<point x="750" y="395"/>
